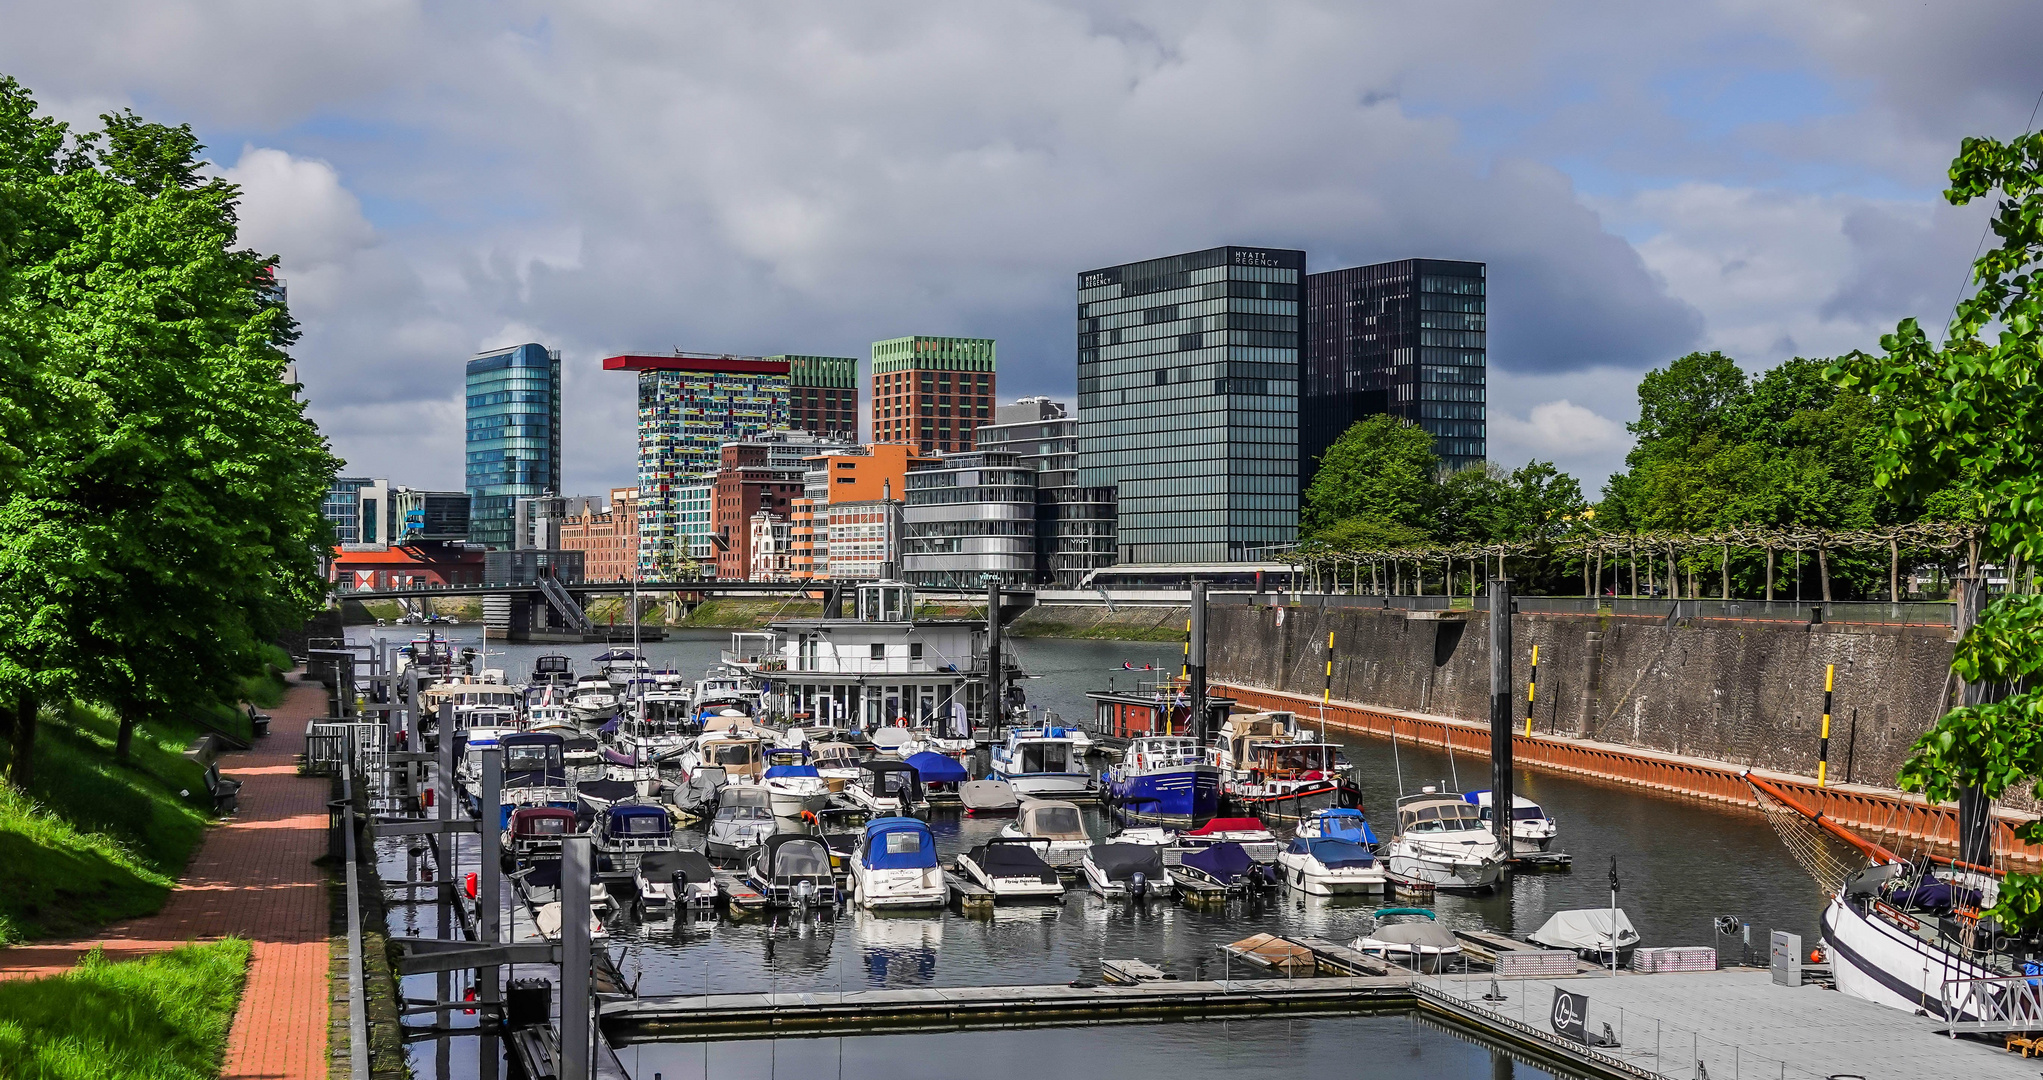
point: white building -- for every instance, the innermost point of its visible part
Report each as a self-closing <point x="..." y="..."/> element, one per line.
<point x="881" y="665"/>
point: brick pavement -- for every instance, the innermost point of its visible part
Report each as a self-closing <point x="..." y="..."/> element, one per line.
<point x="253" y="876"/>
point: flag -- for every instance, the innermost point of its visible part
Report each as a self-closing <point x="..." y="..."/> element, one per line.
<point x="1613" y="875"/>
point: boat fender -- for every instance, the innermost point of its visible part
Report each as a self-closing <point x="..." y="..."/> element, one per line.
<point x="468" y="885"/>
<point x="1815" y="956"/>
<point x="429" y="798"/>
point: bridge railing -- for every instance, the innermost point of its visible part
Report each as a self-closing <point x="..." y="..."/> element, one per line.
<point x="2000" y="1003"/>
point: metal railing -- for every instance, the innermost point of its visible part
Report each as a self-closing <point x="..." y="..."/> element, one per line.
<point x="1907" y="613"/>
<point x="358" y="1002"/>
<point x="1998" y="1004"/>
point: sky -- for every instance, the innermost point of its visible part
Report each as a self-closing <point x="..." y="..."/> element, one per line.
<point x="1642" y="179"/>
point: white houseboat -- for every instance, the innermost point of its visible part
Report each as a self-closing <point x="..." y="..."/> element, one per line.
<point x="881" y="666"/>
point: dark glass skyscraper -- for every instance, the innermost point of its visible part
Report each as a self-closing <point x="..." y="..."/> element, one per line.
<point x="1405" y="338"/>
<point x="1188" y="401"/>
<point x="513" y="436"/>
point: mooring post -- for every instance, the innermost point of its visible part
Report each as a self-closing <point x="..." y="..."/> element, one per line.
<point x="996" y="707"/>
<point x="489" y="902"/>
<point x="1975" y="810"/>
<point x="575" y="1037"/>
<point x="1195" y="662"/>
<point x="1500" y="711"/>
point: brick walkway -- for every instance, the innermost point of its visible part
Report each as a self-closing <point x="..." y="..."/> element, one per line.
<point x="252" y="877"/>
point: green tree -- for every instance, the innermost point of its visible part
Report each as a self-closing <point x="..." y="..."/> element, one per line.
<point x="1699" y="393"/>
<point x="1967" y="415"/>
<point x="1380" y="468"/>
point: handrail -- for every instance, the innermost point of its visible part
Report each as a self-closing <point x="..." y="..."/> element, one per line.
<point x="1996" y="1003"/>
<point x="358" y="1020"/>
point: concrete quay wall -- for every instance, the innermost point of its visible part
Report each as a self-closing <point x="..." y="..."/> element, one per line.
<point x="1742" y="692"/>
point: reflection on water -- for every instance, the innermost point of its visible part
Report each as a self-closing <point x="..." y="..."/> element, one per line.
<point x="1681" y="863"/>
<point x="1401" y="1046"/>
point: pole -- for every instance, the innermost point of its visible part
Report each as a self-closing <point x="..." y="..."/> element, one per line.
<point x="1196" y="661"/>
<point x="575" y="1047"/>
<point x="1501" y="802"/>
<point x="1975" y="811"/>
<point x="996" y="708"/>
<point x="1823" y="740"/>
<point x="489" y="904"/>
<point x="1531" y="690"/>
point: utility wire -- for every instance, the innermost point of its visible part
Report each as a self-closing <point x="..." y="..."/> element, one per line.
<point x="1966" y="280"/>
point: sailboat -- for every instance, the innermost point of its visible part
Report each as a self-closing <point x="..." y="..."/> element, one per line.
<point x="1907" y="933"/>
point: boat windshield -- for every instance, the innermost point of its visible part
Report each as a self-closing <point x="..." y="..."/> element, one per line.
<point x="744" y="813"/>
<point x="732" y="754"/>
<point x="803" y="858"/>
<point x="1440" y="817"/>
<point x="1045" y="757"/>
<point x="1303" y="758"/>
<point x="542" y="826"/>
<point x="528" y="758"/>
<point x="1056" y="821"/>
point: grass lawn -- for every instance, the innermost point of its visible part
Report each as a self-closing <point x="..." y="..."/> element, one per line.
<point x="165" y="1017"/>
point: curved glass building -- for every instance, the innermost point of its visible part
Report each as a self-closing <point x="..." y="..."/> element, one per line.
<point x="513" y="436"/>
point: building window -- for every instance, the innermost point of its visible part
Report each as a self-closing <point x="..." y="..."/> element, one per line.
<point x="879" y="651"/>
<point x="914" y="650"/>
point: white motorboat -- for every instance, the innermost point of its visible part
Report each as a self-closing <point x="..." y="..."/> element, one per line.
<point x="546" y="918"/>
<point x="552" y="670"/>
<point x="1324" y="866"/>
<point x="792" y="871"/>
<point x="1420" y="943"/>
<point x="836" y="763"/>
<point x="887" y="786"/>
<point x="535" y="774"/>
<point x="733" y="745"/>
<point x="1011" y="870"/>
<point x="1442" y="844"/>
<point x="1044" y="762"/>
<point x="593" y="700"/>
<point x="1532" y="830"/>
<point x="793" y="785"/>
<point x="742" y="822"/>
<point x="988" y="798"/>
<point x="1603" y="936"/>
<point x="627" y="831"/>
<point x="895" y="866"/>
<point x="621" y="665"/>
<point x="1131" y="870"/>
<point x="484" y="737"/>
<point x="1058" y="827"/>
<point x="671" y="880"/>
<point x="894" y="741"/>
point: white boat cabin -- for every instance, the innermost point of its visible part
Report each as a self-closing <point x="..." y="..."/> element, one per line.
<point x="881" y="666"/>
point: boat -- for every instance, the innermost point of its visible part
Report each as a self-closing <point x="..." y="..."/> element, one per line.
<point x="742" y="822"/>
<point x="1422" y="944"/>
<point x="546" y="919"/>
<point x="1058" y="827"/>
<point x="1044" y="762"/>
<point x="940" y="776"/>
<point x="652" y="734"/>
<point x="477" y="739"/>
<point x="1442" y="844"/>
<point x="893" y="741"/>
<point x="1132" y="870"/>
<point x="840" y="826"/>
<point x="552" y="670"/>
<point x="592" y="700"/>
<point x="794" y="787"/>
<point x="792" y="870"/>
<point x="1164" y="780"/>
<point x="1011" y="870"/>
<point x="1330" y="866"/>
<point x="1603" y="936"/>
<point x="1254" y="837"/>
<point x="1907" y="933"/>
<point x="626" y="831"/>
<point x="673" y="879"/>
<point x="1339" y="823"/>
<point x="621" y="665"/>
<point x="988" y="798"/>
<point x="732" y="744"/>
<point x="601" y="795"/>
<point x="895" y="866"/>
<point x="535" y="774"/>
<point x="1223" y="866"/>
<point x="697" y="795"/>
<point x="537" y="831"/>
<point x="1286" y="782"/>
<point x="885" y="786"/>
<point x="1531" y="829"/>
<point x="836" y="763"/>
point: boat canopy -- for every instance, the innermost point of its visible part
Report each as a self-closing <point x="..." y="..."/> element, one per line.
<point x="899" y="843"/>
<point x="1345" y="824"/>
<point x="789" y="855"/>
<point x="1013" y="859"/>
<point x="1228" y="825"/>
<point x="935" y="768"/>
<point x="1333" y="853"/>
<point x="688" y="866"/>
<point x="1425" y="936"/>
<point x="1226" y="861"/>
<point x="889" y="777"/>
<point x="617" y="656"/>
<point x="745" y="795"/>
<point x="776" y="771"/>
<point x="892" y="737"/>
<point x="1121" y="862"/>
<point x="835" y="755"/>
<point x="1587" y="928"/>
<point x="988" y="795"/>
<point x="638" y="819"/>
<point x="530" y="752"/>
<point x="608" y="791"/>
<point x="529" y="821"/>
<point x="1052" y="819"/>
<point x="1438" y="813"/>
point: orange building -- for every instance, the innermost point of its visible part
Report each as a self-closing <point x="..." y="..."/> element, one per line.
<point x="866" y="474"/>
<point x="607" y="539"/>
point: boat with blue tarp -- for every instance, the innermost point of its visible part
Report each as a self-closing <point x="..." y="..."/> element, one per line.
<point x="895" y="866"/>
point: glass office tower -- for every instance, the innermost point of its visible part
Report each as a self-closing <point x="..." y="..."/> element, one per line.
<point x="1406" y="338"/>
<point x="513" y="436"/>
<point x="1188" y="401"/>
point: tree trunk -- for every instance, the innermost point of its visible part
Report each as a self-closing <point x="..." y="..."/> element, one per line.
<point x="22" y="769"/>
<point x="1635" y="568"/>
<point x="1673" y="576"/>
<point x="1893" y="572"/>
<point x="1823" y="569"/>
<point x="1724" y="566"/>
<point x="1769" y="575"/>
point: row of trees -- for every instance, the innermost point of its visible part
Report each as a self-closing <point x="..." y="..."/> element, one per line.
<point x="159" y="482"/>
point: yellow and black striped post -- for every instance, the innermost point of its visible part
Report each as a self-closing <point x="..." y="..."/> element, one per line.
<point x="1327" y="694"/>
<point x="1531" y="690"/>
<point x="1823" y="743"/>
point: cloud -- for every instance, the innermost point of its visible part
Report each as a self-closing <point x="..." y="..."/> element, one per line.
<point x="297" y="209"/>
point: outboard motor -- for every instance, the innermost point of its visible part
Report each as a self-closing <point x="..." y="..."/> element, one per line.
<point x="805" y="893"/>
<point x="1138" y="885"/>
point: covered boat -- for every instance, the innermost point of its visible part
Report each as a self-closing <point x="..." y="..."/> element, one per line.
<point x="988" y="798"/>
<point x="1253" y="836"/>
<point x="1326" y="866"/>
<point x="1422" y="943"/>
<point x="667" y="879"/>
<point x="1602" y="936"/>
<point x="535" y="774"/>
<point x="887" y="786"/>
<point x="1058" y="826"/>
<point x="895" y="866"/>
<point x="600" y="795"/>
<point x="1011" y="869"/>
<point x="792" y="870"/>
<point x="537" y="831"/>
<point x="1134" y="870"/>
<point x="626" y="831"/>
<point x="941" y="776"/>
<point x="1224" y="866"/>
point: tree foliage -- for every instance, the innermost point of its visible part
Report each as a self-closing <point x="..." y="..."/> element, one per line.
<point x="1380" y="470"/>
<point x="159" y="501"/>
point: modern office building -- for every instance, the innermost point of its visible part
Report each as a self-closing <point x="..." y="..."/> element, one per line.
<point x="1074" y="524"/>
<point x="513" y="436"/>
<point x="387" y="515"/>
<point x="1406" y="338"/>
<point x="689" y="406"/>
<point x="863" y="540"/>
<point x="343" y="508"/>
<point x="967" y="517"/>
<point x="1188" y="401"/>
<point x="854" y="474"/>
<point x="823" y="395"/>
<point x="931" y="392"/>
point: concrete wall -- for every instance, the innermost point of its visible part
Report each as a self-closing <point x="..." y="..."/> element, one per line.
<point x="1749" y="693"/>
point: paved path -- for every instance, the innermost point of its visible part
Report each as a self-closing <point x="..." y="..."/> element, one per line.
<point x="252" y="877"/>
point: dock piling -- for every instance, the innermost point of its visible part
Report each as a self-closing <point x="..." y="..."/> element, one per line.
<point x="1501" y="802"/>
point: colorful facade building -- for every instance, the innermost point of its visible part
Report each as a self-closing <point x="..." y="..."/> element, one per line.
<point x="931" y="392"/>
<point x="823" y="395"/>
<point x="689" y="406"/>
<point x="607" y="536"/>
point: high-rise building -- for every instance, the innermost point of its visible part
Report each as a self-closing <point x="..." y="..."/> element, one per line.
<point x="1188" y="401"/>
<point x="689" y="406"/>
<point x="823" y="395"/>
<point x="1406" y="338"/>
<point x="513" y="436"/>
<point x="967" y="517"/>
<point x="343" y="507"/>
<point x="931" y="392"/>
<point x="1074" y="525"/>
